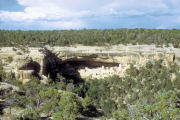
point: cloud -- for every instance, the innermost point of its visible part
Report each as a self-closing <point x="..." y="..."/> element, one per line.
<point x="75" y="23"/>
<point x="137" y="4"/>
<point x="49" y="13"/>
<point x="76" y="13"/>
<point x="59" y="9"/>
<point x="20" y="16"/>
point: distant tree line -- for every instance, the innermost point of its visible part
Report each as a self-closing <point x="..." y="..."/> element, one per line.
<point x="90" y="37"/>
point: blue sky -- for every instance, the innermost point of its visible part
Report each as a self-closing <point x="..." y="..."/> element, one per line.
<point x="89" y="14"/>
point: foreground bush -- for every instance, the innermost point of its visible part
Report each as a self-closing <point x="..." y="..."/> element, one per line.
<point x="164" y="108"/>
<point x="2" y="73"/>
<point x="118" y="93"/>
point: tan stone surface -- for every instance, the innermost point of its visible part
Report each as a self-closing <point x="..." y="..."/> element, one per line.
<point x="136" y="54"/>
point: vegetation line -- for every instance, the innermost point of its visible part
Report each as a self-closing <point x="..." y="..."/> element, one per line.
<point x="90" y="37"/>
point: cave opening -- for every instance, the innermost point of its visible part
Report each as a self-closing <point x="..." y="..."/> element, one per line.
<point x="52" y="66"/>
<point x="83" y="63"/>
<point x="69" y="68"/>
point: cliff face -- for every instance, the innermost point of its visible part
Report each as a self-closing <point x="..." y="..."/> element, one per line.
<point x="80" y="61"/>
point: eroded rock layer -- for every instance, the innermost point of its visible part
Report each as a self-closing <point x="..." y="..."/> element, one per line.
<point x="80" y="61"/>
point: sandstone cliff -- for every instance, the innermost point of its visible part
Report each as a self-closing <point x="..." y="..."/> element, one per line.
<point x="78" y="62"/>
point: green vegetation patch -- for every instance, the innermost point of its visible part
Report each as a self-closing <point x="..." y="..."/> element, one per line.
<point x="90" y="37"/>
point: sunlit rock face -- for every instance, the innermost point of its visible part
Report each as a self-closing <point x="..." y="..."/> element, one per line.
<point x="137" y="54"/>
<point x="78" y="62"/>
<point x="25" y="68"/>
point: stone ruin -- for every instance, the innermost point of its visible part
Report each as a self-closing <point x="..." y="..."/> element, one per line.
<point x="78" y="63"/>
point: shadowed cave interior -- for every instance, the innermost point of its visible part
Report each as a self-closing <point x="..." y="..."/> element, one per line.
<point x="69" y="68"/>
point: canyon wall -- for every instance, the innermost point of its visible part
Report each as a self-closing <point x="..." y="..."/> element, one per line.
<point x="81" y="61"/>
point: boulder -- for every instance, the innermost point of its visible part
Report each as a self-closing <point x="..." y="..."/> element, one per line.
<point x="6" y="86"/>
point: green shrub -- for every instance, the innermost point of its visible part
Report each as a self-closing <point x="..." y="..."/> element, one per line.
<point x="164" y="108"/>
<point x="30" y="114"/>
<point x="138" y="83"/>
<point x="10" y="59"/>
<point x="2" y="73"/>
<point x="69" y="107"/>
<point x="109" y="106"/>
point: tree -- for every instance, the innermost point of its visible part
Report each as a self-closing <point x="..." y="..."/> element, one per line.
<point x="164" y="107"/>
<point x="69" y="107"/>
<point x="2" y="73"/>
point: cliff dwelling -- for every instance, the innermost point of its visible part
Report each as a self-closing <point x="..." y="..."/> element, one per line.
<point x="80" y="63"/>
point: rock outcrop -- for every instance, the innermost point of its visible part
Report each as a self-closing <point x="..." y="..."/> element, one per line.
<point x="80" y="61"/>
<point x="25" y="68"/>
<point x="7" y="87"/>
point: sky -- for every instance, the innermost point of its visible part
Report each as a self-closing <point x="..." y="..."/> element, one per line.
<point x="89" y="14"/>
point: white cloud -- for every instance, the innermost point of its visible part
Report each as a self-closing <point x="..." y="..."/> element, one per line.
<point x="46" y="13"/>
<point x="75" y="23"/>
<point x="70" y="13"/>
<point x="20" y="16"/>
<point x="137" y="4"/>
<point x="75" y="5"/>
<point x="60" y="9"/>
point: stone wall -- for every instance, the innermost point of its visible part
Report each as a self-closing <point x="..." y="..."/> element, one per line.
<point x="102" y="72"/>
